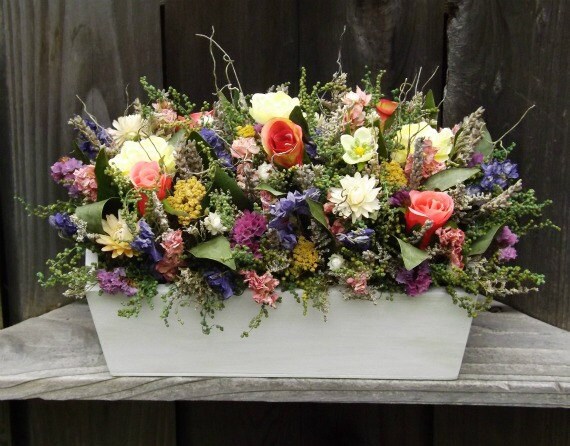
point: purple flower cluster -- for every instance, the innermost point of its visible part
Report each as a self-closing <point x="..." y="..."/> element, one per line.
<point x="115" y="282"/>
<point x="62" y="173"/>
<point x="417" y="280"/>
<point x="248" y="229"/>
<point x="507" y="240"/>
<point x="293" y="203"/>
<point x="360" y="239"/>
<point x="144" y="242"/>
<point x="496" y="173"/>
<point x="476" y="159"/>
<point x="86" y="146"/>
<point x="63" y="224"/>
<point x="216" y="143"/>
<point x="220" y="281"/>
<point x="400" y="198"/>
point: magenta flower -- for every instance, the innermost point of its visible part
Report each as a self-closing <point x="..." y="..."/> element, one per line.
<point x="248" y="229"/>
<point x="417" y="280"/>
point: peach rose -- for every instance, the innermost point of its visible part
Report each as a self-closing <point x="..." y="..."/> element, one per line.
<point x="147" y="175"/>
<point x="385" y="109"/>
<point x="282" y="140"/>
<point x="428" y="205"/>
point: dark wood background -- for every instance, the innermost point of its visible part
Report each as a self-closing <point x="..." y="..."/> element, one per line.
<point x="502" y="54"/>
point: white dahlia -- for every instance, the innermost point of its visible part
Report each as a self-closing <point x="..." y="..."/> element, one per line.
<point x="128" y="128"/>
<point x="357" y="197"/>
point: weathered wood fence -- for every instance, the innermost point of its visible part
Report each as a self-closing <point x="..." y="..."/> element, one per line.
<point x="505" y="55"/>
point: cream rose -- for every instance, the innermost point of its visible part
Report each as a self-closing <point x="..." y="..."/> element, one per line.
<point x="271" y="105"/>
<point x="153" y="148"/>
<point x="409" y="133"/>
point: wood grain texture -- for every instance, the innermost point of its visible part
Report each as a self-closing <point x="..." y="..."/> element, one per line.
<point x="475" y="426"/>
<point x="307" y="424"/>
<point x="511" y="359"/>
<point x="92" y="49"/>
<point x="261" y="37"/>
<point x="394" y="35"/>
<point x="522" y="58"/>
<point x="96" y="423"/>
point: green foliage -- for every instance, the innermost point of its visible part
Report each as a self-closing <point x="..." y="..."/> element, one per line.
<point x="180" y="102"/>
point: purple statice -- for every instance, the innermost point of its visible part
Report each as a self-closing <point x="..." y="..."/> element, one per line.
<point x="217" y="144"/>
<point x="476" y="159"/>
<point x="497" y="173"/>
<point x="62" y="171"/>
<point x="248" y="229"/>
<point x="144" y="242"/>
<point x="507" y="240"/>
<point x="311" y="149"/>
<point x="507" y="237"/>
<point x="507" y="254"/>
<point x="63" y="224"/>
<point x="115" y="282"/>
<point x="400" y="198"/>
<point x="220" y="281"/>
<point x="417" y="280"/>
<point x="359" y="239"/>
<point x="285" y="232"/>
<point x="86" y="146"/>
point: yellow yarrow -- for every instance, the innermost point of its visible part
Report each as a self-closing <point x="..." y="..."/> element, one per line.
<point x="247" y="131"/>
<point x="305" y="256"/>
<point x="393" y="174"/>
<point x="188" y="195"/>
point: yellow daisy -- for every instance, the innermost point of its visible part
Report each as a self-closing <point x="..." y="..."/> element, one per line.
<point x="119" y="237"/>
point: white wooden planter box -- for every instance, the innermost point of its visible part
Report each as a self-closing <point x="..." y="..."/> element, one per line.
<point x="421" y="337"/>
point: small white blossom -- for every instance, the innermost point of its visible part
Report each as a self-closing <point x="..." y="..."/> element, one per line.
<point x="336" y="262"/>
<point x="264" y="170"/>
<point x="213" y="224"/>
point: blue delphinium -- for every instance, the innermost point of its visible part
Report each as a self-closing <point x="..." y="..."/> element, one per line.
<point x="63" y="224"/>
<point x="217" y="144"/>
<point x="360" y="238"/>
<point x="144" y="242"/>
<point x="496" y="173"/>
<point x="85" y="144"/>
<point x="220" y="281"/>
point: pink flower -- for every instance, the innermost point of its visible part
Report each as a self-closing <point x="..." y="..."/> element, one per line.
<point x="85" y="182"/>
<point x="263" y="287"/>
<point x="430" y="166"/>
<point x="452" y="239"/>
<point x="244" y="148"/>
<point x="338" y="227"/>
<point x="266" y="200"/>
<point x="147" y="175"/>
<point x="358" y="284"/>
<point x="358" y="97"/>
<point x="165" y="112"/>
<point x="428" y="205"/>
<point x="173" y="246"/>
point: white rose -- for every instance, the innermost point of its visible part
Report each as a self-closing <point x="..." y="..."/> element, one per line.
<point x="153" y="148"/>
<point x="443" y="141"/>
<point x="336" y="262"/>
<point x="264" y="170"/>
<point x="409" y="133"/>
<point x="271" y="105"/>
<point x="213" y="224"/>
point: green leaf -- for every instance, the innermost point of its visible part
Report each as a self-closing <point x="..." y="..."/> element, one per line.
<point x="218" y="249"/>
<point x="170" y="210"/>
<point x="93" y="213"/>
<point x="317" y="212"/>
<point x="297" y="117"/>
<point x="480" y="245"/>
<point x="105" y="186"/>
<point x="411" y="255"/>
<point x="382" y="149"/>
<point x="430" y="104"/>
<point x="223" y="181"/>
<point x="77" y="153"/>
<point x="485" y="145"/>
<point x="268" y="188"/>
<point x="388" y="123"/>
<point x="450" y="177"/>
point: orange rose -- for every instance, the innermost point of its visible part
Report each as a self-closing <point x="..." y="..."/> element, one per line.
<point x="282" y="140"/>
<point x="147" y="175"/>
<point x="385" y="109"/>
<point x="429" y="205"/>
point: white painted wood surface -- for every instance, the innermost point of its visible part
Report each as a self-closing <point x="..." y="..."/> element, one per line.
<point x="510" y="360"/>
<point x="417" y="338"/>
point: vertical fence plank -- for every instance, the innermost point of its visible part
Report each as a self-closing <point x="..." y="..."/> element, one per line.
<point x="522" y="58"/>
<point x="55" y="50"/>
<point x="398" y="36"/>
<point x="261" y="37"/>
<point x="475" y="426"/>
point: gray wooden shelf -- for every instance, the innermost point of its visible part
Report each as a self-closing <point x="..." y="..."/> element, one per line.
<point x="511" y="360"/>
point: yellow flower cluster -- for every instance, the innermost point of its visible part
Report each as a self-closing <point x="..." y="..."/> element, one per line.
<point x="305" y="256"/>
<point x="188" y="195"/>
<point x="393" y="174"/>
<point x="247" y="131"/>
